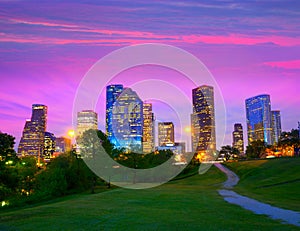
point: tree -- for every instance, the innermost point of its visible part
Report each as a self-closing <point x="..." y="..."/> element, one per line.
<point x="256" y="149"/>
<point x="7" y="143"/>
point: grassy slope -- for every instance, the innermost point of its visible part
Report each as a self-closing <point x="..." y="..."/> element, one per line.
<point x="188" y="204"/>
<point x="275" y="181"/>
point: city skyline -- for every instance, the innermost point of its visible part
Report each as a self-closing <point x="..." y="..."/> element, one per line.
<point x="249" y="48"/>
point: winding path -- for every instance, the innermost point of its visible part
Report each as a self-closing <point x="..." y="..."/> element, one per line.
<point x="287" y="216"/>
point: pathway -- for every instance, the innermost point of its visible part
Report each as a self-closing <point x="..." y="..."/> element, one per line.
<point x="287" y="216"/>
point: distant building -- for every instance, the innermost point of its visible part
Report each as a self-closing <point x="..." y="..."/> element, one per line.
<point x="238" y="138"/>
<point x="148" y="128"/>
<point x="32" y="140"/>
<point x="203" y="120"/>
<point x="165" y="133"/>
<point x="63" y="144"/>
<point x="112" y="93"/>
<point x="49" y="145"/>
<point x="176" y="148"/>
<point x="127" y="121"/>
<point x="86" y="119"/>
<point x="259" y="122"/>
<point x="276" y="126"/>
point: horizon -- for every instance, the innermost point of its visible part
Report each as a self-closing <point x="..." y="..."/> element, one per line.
<point x="250" y="49"/>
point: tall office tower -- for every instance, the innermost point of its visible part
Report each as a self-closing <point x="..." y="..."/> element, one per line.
<point x="49" y="145"/>
<point x="203" y="120"/>
<point x="259" y="122"/>
<point x="148" y="128"/>
<point x="86" y="119"/>
<point x="127" y="121"/>
<point x="165" y="133"/>
<point x="112" y="93"/>
<point x="63" y="144"/>
<point x="276" y="126"/>
<point x="238" y="138"/>
<point x="32" y="141"/>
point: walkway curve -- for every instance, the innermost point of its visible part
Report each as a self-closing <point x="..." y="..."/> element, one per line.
<point x="287" y="216"/>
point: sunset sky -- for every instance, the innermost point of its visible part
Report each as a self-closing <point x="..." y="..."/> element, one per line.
<point x="46" y="48"/>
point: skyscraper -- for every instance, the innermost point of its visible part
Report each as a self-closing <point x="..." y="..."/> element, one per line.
<point x="203" y="120"/>
<point x="32" y="141"/>
<point x="259" y="122"/>
<point x="276" y="126"/>
<point x="62" y="144"/>
<point x="238" y="138"/>
<point x="112" y="93"/>
<point x="165" y="133"/>
<point x="148" y="128"/>
<point x="86" y="119"/>
<point x="127" y="121"/>
<point x="49" y="145"/>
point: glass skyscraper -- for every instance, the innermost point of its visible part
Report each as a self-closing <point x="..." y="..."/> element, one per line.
<point x="86" y="119"/>
<point x="203" y="120"/>
<point x="165" y="134"/>
<point x="259" y="120"/>
<point x="148" y="128"/>
<point x="112" y="93"/>
<point x="32" y="141"/>
<point x="127" y="121"/>
<point x="276" y="126"/>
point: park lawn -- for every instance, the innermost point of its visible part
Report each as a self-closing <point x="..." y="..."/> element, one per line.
<point x="273" y="181"/>
<point x="188" y="204"/>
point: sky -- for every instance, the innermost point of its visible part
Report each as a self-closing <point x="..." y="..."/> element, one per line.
<point x="47" y="47"/>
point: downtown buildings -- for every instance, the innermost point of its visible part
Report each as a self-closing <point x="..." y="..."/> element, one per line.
<point x="86" y="119"/>
<point x="148" y="128"/>
<point x="32" y="141"/>
<point x="262" y="123"/>
<point x="238" y="138"/>
<point x="203" y="120"/>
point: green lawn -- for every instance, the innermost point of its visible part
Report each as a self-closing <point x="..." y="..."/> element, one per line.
<point x="188" y="204"/>
<point x="274" y="181"/>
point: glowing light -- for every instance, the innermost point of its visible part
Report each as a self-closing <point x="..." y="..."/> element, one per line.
<point x="187" y="129"/>
<point x="71" y="133"/>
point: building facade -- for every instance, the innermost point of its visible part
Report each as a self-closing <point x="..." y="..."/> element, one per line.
<point x="63" y="144"/>
<point x="203" y="120"/>
<point x="49" y="145"/>
<point x="259" y="120"/>
<point x="86" y="119"/>
<point x="148" y="128"/>
<point x="165" y="133"/>
<point x="112" y="93"/>
<point x="238" y="138"/>
<point x="32" y="140"/>
<point x="127" y="121"/>
<point x="276" y="126"/>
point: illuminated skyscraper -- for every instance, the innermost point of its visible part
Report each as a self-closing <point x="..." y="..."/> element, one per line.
<point x="49" y="145"/>
<point x="127" y="121"/>
<point x="276" y="126"/>
<point x="203" y="120"/>
<point x="32" y="141"/>
<point x="259" y="120"/>
<point x="148" y="128"/>
<point x="63" y="144"/>
<point x="86" y="119"/>
<point x="112" y="93"/>
<point x="165" y="133"/>
<point x="238" y="138"/>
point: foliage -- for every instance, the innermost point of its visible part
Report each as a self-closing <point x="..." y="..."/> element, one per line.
<point x="256" y="149"/>
<point x="7" y="151"/>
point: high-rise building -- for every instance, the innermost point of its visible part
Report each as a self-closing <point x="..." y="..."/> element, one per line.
<point x="203" y="120"/>
<point x="259" y="122"/>
<point x="86" y="119"/>
<point x="32" y="141"/>
<point x="165" y="133"/>
<point x="127" y="121"/>
<point x="63" y="144"/>
<point x="112" y="93"/>
<point x="49" y="145"/>
<point x="238" y="138"/>
<point x="276" y="126"/>
<point x="148" y="128"/>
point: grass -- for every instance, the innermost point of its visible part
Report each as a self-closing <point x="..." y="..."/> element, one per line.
<point x="273" y="181"/>
<point x="187" y="204"/>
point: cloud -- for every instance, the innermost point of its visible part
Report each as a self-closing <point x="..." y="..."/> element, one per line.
<point x="291" y="64"/>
